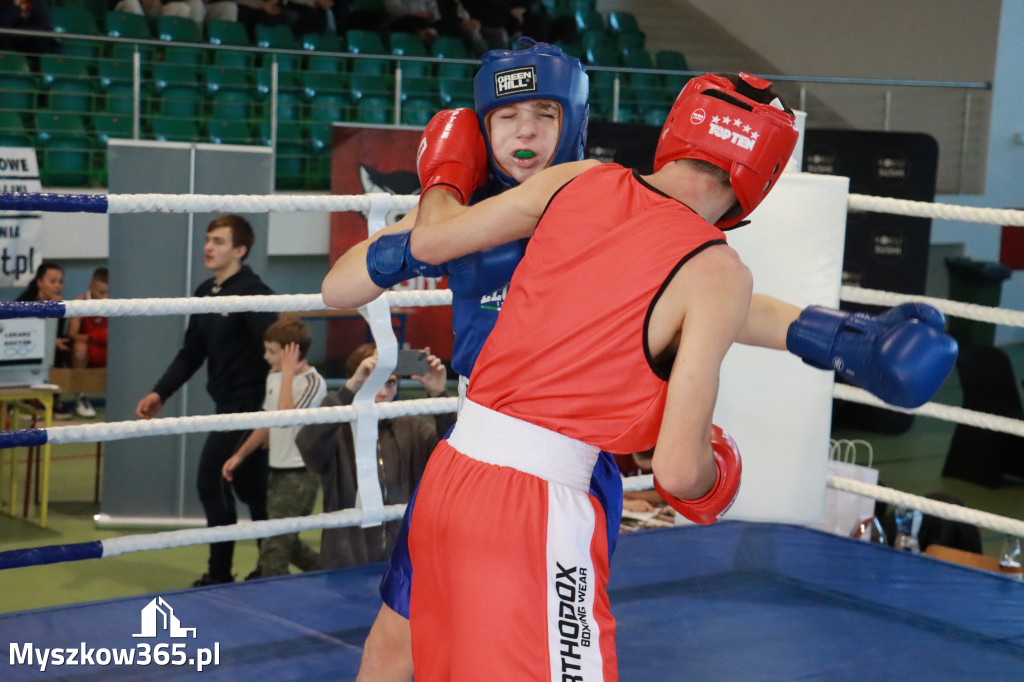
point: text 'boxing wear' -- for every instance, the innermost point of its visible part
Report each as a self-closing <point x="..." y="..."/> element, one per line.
<point x="511" y="564"/>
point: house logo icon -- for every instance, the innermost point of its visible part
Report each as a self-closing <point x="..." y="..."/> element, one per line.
<point x="158" y="615"/>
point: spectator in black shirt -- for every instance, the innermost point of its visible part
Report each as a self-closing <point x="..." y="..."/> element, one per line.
<point x="232" y="346"/>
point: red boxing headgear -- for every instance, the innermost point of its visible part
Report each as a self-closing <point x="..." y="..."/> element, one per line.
<point x="735" y="123"/>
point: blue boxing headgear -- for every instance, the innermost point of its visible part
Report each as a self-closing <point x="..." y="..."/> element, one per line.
<point x="538" y="71"/>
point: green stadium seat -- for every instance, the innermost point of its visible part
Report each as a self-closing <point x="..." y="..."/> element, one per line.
<point x="328" y="108"/>
<point x="116" y="80"/>
<point x="418" y="112"/>
<point x="672" y="60"/>
<point x="184" y="55"/>
<point x="320" y="137"/>
<point x="175" y="130"/>
<point x="644" y="85"/>
<point x="80" y="21"/>
<point x="362" y="41"/>
<point x="128" y="25"/>
<point x="177" y="90"/>
<point x="232" y="104"/>
<point x="595" y="38"/>
<point x="19" y="86"/>
<point x="290" y="154"/>
<point x="601" y="56"/>
<point x="65" y="155"/>
<point x="328" y="41"/>
<point x="13" y="131"/>
<point x="111" y="126"/>
<point x="290" y="107"/>
<point x="375" y="111"/>
<point x="571" y="49"/>
<point x="230" y="34"/>
<point x="279" y="37"/>
<point x="67" y="84"/>
<point x="219" y="78"/>
<point x="369" y="85"/>
<point x="107" y="127"/>
<point x="229" y="131"/>
<point x="629" y="40"/>
<point x="178" y="30"/>
<point x="623" y="22"/>
<point x="314" y="84"/>
<point x="456" y="93"/>
<point x="287" y="81"/>
<point x="322" y="63"/>
<point x="450" y="47"/>
<point x="588" y="20"/>
<point x="318" y="167"/>
<point x="417" y="76"/>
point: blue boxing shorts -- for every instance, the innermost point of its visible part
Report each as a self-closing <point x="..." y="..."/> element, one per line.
<point x="396" y="584"/>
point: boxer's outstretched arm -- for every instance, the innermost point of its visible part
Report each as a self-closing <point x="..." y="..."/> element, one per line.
<point x="348" y="284"/>
<point x="446" y="230"/>
<point x="767" y="322"/>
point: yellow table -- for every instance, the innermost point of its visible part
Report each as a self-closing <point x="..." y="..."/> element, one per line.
<point x="13" y="394"/>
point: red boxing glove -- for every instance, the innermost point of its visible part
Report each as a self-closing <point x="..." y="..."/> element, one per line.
<point x="710" y="508"/>
<point x="452" y="153"/>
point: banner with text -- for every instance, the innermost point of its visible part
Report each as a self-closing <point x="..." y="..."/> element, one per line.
<point x="21" y="233"/>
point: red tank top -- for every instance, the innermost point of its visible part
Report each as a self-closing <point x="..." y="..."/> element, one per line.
<point x="96" y="329"/>
<point x="568" y="351"/>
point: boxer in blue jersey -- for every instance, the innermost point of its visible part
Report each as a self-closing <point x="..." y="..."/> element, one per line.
<point x="534" y="100"/>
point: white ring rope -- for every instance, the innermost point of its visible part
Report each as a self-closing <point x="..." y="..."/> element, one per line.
<point x="943" y="510"/>
<point x="125" y="307"/>
<point x="924" y="209"/>
<point x="108" y="431"/>
<point x="242" y="531"/>
<point x="969" y="311"/>
<point x="949" y="413"/>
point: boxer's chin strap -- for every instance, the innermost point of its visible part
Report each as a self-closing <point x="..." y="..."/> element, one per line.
<point x="365" y="430"/>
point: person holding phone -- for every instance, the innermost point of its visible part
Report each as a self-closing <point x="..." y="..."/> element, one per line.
<point x="403" y="446"/>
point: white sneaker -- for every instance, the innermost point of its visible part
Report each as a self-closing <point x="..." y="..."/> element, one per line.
<point x="83" y="407"/>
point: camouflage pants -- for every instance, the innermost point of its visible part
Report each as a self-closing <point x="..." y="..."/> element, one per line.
<point x="290" y="492"/>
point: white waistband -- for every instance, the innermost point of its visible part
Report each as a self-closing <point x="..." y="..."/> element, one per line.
<point x="496" y="438"/>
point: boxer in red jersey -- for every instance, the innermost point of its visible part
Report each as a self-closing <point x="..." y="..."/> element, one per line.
<point x="627" y="289"/>
<point x="520" y="640"/>
<point x="89" y="338"/>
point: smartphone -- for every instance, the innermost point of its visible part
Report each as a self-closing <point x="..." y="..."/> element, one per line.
<point x="411" y="363"/>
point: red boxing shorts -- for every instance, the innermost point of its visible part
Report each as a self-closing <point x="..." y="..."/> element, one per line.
<point x="510" y="557"/>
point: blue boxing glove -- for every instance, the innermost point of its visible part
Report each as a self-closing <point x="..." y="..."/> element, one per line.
<point x="483" y="272"/>
<point x="389" y="261"/>
<point x="901" y="356"/>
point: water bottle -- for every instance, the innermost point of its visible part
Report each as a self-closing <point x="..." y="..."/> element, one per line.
<point x="908" y="524"/>
<point x="1009" y="558"/>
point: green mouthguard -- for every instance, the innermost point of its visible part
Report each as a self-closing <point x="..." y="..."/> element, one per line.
<point x="524" y="154"/>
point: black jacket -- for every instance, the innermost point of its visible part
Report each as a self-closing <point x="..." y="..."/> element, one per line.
<point x="232" y="342"/>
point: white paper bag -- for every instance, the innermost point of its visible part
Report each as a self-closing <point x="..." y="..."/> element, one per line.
<point x="843" y="510"/>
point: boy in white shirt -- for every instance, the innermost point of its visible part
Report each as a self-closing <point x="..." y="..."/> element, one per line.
<point x="291" y="489"/>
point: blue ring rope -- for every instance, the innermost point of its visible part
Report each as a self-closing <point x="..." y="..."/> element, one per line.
<point x="51" y="554"/>
<point x="23" y="438"/>
<point x="57" y="203"/>
<point x="32" y="309"/>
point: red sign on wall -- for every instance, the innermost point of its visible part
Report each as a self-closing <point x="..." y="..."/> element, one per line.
<point x="363" y="160"/>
